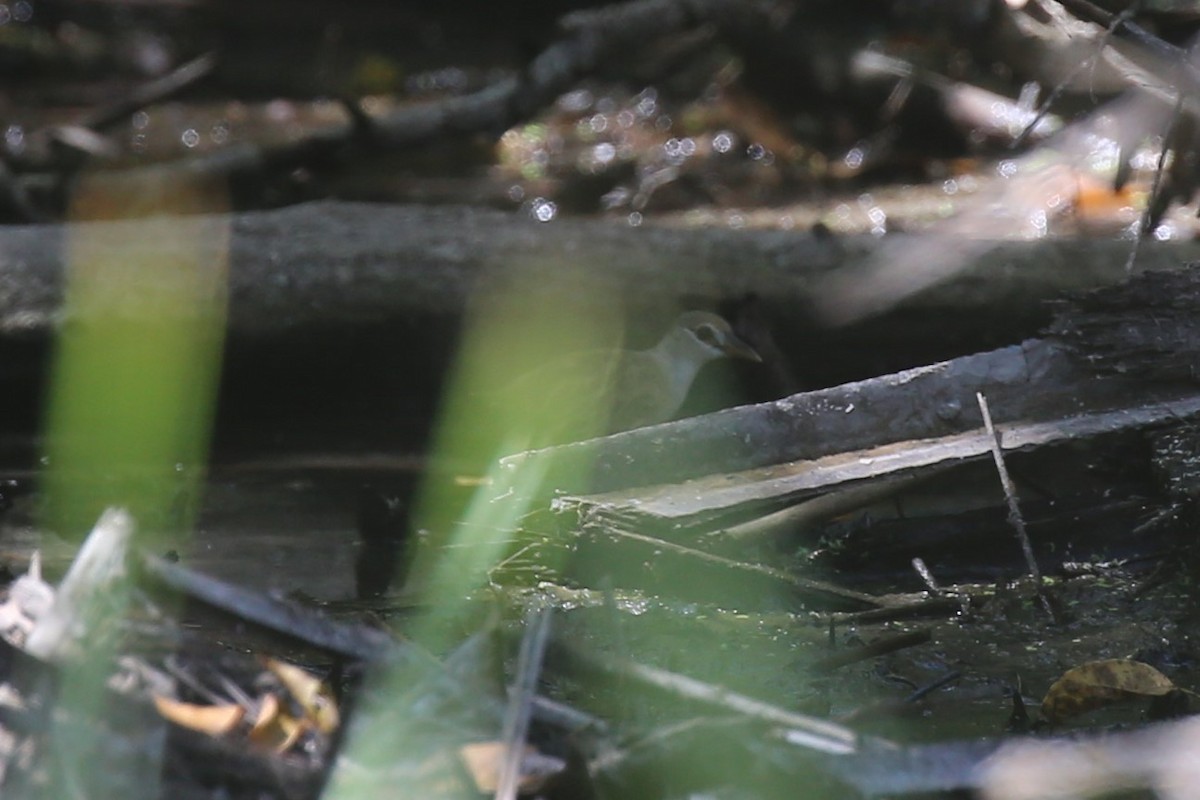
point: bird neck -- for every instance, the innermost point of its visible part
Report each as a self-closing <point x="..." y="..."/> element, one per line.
<point x="681" y="357"/>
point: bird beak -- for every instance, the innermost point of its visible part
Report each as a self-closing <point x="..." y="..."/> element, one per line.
<point x="736" y="348"/>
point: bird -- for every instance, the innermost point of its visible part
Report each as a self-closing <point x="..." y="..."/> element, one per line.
<point x="567" y="398"/>
<point x="601" y="391"/>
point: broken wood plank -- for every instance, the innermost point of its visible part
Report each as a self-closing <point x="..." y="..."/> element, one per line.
<point x="713" y="497"/>
<point x="1036" y="381"/>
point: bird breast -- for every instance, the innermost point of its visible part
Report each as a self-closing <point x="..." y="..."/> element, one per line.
<point x="644" y="392"/>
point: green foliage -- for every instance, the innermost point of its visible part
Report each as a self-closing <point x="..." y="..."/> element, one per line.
<point x="135" y="373"/>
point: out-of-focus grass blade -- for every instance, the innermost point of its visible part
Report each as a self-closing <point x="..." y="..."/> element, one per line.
<point x="138" y="355"/>
<point x="129" y="413"/>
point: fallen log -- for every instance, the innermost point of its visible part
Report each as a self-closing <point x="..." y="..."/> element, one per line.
<point x="352" y="264"/>
<point x="1036" y="381"/>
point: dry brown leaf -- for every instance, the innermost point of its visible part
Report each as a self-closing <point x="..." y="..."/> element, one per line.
<point x="483" y="761"/>
<point x="1102" y="683"/>
<point x="274" y="728"/>
<point x="212" y="720"/>
<point x="310" y="692"/>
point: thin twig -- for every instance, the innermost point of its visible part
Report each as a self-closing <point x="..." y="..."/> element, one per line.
<point x="1154" y="205"/>
<point x="804" y="585"/>
<point x="1010" y="498"/>
<point x="1173" y="55"/>
<point x="589" y="40"/>
<point x="925" y="607"/>
<point x="283" y="616"/>
<point x="1061" y="87"/>
<point x="888" y="644"/>
<point x="926" y="575"/>
<point x="520" y="704"/>
<point x="930" y="688"/>
<point x="814" y="732"/>
<point x="172" y="83"/>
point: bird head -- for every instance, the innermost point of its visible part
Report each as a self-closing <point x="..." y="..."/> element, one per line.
<point x="711" y="337"/>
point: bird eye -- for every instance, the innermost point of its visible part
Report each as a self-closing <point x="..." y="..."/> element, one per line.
<point x="708" y="334"/>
